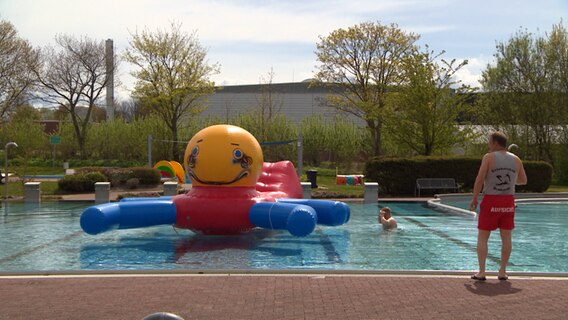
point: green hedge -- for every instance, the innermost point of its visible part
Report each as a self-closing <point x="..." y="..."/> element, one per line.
<point x="397" y="176"/>
<point x="539" y="176"/>
<point x="82" y="182"/>
<point x="120" y="176"/>
<point x="146" y="176"/>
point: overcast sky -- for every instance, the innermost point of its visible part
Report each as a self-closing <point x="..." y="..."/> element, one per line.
<point x="248" y="38"/>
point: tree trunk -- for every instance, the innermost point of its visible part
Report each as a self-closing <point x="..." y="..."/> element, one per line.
<point x="175" y="149"/>
<point x="428" y="149"/>
<point x="82" y="147"/>
<point x="375" y="129"/>
<point x="79" y="135"/>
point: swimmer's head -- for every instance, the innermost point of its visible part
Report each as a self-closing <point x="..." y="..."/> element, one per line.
<point x="386" y="212"/>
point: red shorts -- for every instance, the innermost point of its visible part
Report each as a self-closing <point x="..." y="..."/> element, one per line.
<point x="497" y="211"/>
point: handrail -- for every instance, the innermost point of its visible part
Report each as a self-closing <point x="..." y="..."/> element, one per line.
<point x="435" y="203"/>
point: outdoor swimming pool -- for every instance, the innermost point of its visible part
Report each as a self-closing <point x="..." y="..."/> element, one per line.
<point x="48" y="238"/>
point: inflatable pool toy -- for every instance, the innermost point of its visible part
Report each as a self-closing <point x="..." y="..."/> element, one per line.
<point x="171" y="169"/>
<point x="350" y="180"/>
<point x="233" y="191"/>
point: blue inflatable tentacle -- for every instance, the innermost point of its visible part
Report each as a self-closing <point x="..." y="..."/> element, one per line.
<point x="128" y="214"/>
<point x="299" y="220"/>
<point x="330" y="213"/>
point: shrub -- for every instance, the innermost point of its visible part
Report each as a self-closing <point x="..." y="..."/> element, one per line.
<point x="91" y="178"/>
<point x="71" y="183"/>
<point x="397" y="176"/>
<point x="561" y="165"/>
<point x="147" y="176"/>
<point x="132" y="183"/>
<point x="82" y="182"/>
<point x="120" y="176"/>
<point x="539" y="176"/>
<point x="337" y="140"/>
<point x="277" y="128"/>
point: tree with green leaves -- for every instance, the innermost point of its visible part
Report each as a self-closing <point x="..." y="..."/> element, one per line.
<point x="173" y="76"/>
<point x="25" y="129"/>
<point x="73" y="77"/>
<point x="17" y="58"/>
<point x="426" y="107"/>
<point x="361" y="65"/>
<point x="526" y="90"/>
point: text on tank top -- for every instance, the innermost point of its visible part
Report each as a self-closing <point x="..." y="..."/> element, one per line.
<point x="502" y="176"/>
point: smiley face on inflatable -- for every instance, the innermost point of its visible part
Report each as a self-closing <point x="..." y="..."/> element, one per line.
<point x="223" y="155"/>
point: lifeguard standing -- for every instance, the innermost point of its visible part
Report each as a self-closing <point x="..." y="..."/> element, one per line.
<point x="498" y="174"/>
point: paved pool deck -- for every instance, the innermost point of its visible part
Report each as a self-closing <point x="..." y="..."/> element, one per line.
<point x="282" y="296"/>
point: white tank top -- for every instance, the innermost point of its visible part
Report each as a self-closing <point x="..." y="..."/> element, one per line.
<point x="502" y="177"/>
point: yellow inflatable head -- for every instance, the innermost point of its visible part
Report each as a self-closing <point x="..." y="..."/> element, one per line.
<point x="223" y="155"/>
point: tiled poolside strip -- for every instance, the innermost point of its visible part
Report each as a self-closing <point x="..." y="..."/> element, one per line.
<point x="286" y="296"/>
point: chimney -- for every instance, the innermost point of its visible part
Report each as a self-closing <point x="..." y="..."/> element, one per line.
<point x="109" y="58"/>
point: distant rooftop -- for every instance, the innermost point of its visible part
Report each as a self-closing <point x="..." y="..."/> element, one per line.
<point x="306" y="86"/>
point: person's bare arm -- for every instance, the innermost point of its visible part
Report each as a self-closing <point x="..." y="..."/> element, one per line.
<point x="392" y="223"/>
<point x="387" y="223"/>
<point x="382" y="219"/>
<point x="522" y="175"/>
<point x="480" y="180"/>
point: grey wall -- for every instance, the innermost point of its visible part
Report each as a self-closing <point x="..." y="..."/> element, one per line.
<point x="297" y="101"/>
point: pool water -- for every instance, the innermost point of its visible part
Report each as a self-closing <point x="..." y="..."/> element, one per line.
<point x="47" y="237"/>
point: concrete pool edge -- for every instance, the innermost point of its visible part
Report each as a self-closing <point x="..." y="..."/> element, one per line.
<point x="294" y="272"/>
<point x="518" y="196"/>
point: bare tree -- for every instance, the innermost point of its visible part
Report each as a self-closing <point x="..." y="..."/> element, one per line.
<point x="74" y="77"/>
<point x="17" y="58"/>
<point x="129" y="109"/>
<point x="269" y="103"/>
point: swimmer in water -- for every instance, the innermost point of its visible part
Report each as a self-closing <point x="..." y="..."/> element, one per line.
<point x="386" y="218"/>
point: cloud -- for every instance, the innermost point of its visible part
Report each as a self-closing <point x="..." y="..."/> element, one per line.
<point x="470" y="74"/>
<point x="215" y="21"/>
<point x="248" y="37"/>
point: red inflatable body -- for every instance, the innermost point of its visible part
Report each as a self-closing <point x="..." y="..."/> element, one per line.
<point x="224" y="210"/>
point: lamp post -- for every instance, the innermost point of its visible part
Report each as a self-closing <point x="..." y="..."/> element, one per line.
<point x="9" y="144"/>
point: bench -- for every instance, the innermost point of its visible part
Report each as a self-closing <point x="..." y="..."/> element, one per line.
<point x="435" y="183"/>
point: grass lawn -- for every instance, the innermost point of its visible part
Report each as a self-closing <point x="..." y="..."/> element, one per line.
<point x="556" y="188"/>
<point x="32" y="171"/>
<point x="16" y="188"/>
<point x="327" y="187"/>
